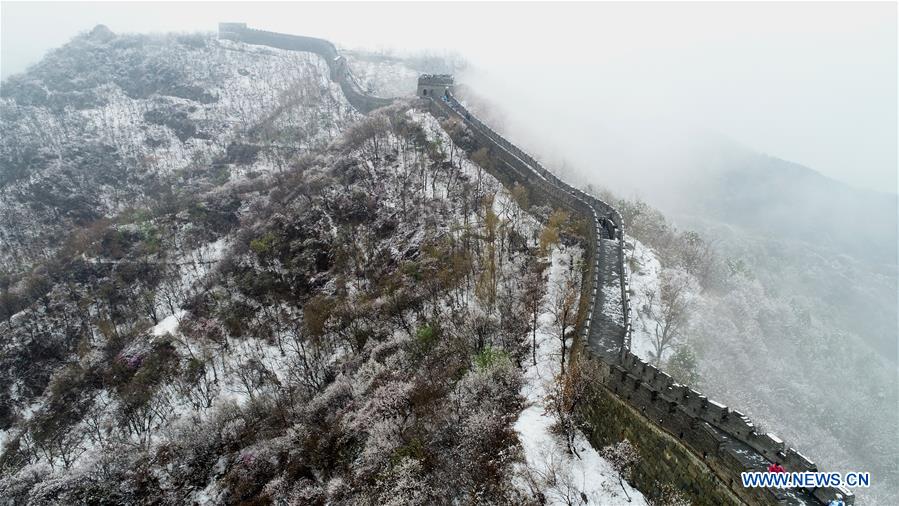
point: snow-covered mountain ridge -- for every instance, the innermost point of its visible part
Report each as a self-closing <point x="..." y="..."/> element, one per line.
<point x="302" y="305"/>
<point x="370" y="147"/>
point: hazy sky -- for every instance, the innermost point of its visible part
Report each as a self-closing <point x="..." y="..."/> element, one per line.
<point x="814" y="83"/>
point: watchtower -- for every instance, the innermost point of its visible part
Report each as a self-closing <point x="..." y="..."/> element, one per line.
<point x="434" y="85"/>
<point x="231" y="31"/>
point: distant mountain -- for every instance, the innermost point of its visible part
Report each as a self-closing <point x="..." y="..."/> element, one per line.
<point x="801" y="230"/>
<point x="782" y="199"/>
<point x="810" y="327"/>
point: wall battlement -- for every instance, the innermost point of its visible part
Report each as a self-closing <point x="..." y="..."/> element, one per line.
<point x="726" y="440"/>
<point x="722" y="439"/>
<point x="231" y="30"/>
<point x="653" y="392"/>
<point x="340" y="72"/>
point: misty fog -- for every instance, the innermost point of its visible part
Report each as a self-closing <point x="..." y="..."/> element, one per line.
<point x="771" y="129"/>
<point x="801" y="82"/>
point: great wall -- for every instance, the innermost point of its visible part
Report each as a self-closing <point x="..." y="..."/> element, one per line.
<point x="699" y="444"/>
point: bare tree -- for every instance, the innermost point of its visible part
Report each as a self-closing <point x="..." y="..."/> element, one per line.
<point x="554" y="483"/>
<point x="198" y="385"/>
<point x="533" y="298"/>
<point x="697" y="256"/>
<point x="482" y="160"/>
<point x="668" y="311"/>
<point x="142" y="417"/>
<point x="564" y="308"/>
<point x="624" y="458"/>
<point x="62" y="444"/>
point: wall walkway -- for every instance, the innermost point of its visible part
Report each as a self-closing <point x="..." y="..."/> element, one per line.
<point x="722" y="438"/>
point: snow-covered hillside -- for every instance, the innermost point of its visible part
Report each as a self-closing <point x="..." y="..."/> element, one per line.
<point x="663" y="300"/>
<point x="581" y="476"/>
<point x="259" y="295"/>
<point x="742" y="336"/>
<point x="109" y="122"/>
<point x="383" y="76"/>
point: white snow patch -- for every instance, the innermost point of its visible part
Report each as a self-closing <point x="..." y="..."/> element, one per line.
<point x="168" y="325"/>
<point x="545" y="453"/>
<point x="645" y="277"/>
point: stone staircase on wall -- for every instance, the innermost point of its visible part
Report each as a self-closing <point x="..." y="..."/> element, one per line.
<point x="723" y="438"/>
<point x="606" y="332"/>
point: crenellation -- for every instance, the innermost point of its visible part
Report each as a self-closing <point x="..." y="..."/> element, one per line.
<point x="705" y="440"/>
<point x="642" y="398"/>
<point x="662" y="381"/>
<point x="638" y="367"/>
<point x="827" y="494"/>
<point x="628" y="359"/>
<point x="231" y="31"/>
<point x="678" y="392"/>
<point x="795" y="461"/>
<point x="693" y="401"/>
<point x="766" y="444"/>
<point x="680" y="423"/>
<point x="649" y="374"/>
<point x="715" y="412"/>
<point x="711" y="430"/>
<point x="738" y="425"/>
<point x="337" y="65"/>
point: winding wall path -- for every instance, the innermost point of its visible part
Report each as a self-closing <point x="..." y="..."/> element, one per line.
<point x="723" y="438"/>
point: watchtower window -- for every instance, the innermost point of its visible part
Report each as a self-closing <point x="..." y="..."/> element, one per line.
<point x="424" y="92"/>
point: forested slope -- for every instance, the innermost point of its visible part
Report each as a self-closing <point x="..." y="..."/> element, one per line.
<point x="225" y="286"/>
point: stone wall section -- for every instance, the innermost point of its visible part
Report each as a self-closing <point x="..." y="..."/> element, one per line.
<point x="685" y="438"/>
